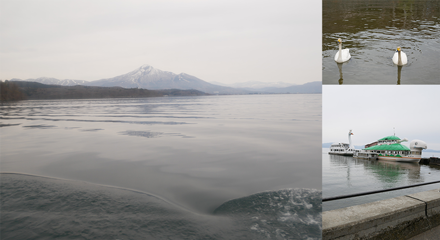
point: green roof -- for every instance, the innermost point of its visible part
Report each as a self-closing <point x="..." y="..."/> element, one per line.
<point x="389" y="138"/>
<point x="391" y="147"/>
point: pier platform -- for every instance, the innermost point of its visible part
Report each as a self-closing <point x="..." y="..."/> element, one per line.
<point x="430" y="161"/>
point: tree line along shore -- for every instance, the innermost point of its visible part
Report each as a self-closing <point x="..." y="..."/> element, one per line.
<point x="21" y="90"/>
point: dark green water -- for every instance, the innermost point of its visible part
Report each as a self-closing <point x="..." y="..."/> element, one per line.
<point x="372" y="30"/>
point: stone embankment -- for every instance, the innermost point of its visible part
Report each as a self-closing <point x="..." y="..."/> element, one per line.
<point x="396" y="218"/>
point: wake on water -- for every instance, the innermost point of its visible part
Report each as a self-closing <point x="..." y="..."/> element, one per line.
<point x="38" y="207"/>
<point x="287" y="213"/>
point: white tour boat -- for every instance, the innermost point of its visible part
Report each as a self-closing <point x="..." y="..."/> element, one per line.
<point x="345" y="149"/>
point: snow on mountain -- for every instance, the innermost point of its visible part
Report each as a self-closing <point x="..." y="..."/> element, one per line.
<point x="148" y="77"/>
<point x="54" y="81"/>
<point x="151" y="78"/>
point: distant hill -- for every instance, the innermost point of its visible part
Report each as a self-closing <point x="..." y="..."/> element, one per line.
<point x="252" y="85"/>
<point x="311" y="87"/>
<point x="35" y="91"/>
<point x="54" y="81"/>
<point x="326" y="145"/>
<point x="147" y="77"/>
<point x="277" y="87"/>
<point x="432" y="150"/>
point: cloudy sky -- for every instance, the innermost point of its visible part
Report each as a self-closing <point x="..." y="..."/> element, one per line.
<point x="372" y="111"/>
<point x="222" y="41"/>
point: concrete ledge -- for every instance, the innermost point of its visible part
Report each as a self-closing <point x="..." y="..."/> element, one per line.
<point x="395" y="218"/>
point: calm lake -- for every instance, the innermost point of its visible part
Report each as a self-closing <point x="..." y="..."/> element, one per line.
<point x="212" y="167"/>
<point x="342" y="175"/>
<point x="372" y="30"/>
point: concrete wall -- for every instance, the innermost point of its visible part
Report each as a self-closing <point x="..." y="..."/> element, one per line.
<point x="395" y="218"/>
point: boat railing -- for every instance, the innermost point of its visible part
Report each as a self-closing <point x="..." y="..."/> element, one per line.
<point x="376" y="191"/>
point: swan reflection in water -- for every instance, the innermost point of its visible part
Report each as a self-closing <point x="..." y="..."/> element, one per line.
<point x="399" y="71"/>
<point x="341" y="80"/>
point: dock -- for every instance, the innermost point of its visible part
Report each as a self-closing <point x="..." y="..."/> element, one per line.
<point x="430" y="161"/>
<point x="426" y="161"/>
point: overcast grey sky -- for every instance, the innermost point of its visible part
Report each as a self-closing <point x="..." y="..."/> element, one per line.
<point x="372" y="111"/>
<point x="223" y="41"/>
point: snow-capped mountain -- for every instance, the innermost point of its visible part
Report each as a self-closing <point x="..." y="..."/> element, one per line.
<point x="151" y="78"/>
<point x="148" y="77"/>
<point x="54" y="81"/>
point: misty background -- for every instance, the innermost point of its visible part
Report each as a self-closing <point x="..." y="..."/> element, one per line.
<point x="372" y="112"/>
<point x="217" y="41"/>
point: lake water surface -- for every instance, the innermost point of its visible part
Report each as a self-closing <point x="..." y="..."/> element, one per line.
<point x="210" y="167"/>
<point x="372" y="30"/>
<point x="342" y="175"/>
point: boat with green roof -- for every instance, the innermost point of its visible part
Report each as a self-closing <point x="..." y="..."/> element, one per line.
<point x="390" y="149"/>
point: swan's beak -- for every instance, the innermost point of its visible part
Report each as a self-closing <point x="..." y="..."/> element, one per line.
<point x="398" y="49"/>
<point x="339" y="40"/>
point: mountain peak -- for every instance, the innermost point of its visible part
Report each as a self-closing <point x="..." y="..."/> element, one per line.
<point x="146" y="70"/>
<point x="146" y="66"/>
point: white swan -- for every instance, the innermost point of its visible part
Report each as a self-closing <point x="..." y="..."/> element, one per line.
<point x="342" y="55"/>
<point x="400" y="58"/>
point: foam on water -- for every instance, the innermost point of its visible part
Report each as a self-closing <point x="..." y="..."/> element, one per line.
<point x="285" y="214"/>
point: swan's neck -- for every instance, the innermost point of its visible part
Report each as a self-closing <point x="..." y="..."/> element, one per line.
<point x="340" y="53"/>
<point x="399" y="60"/>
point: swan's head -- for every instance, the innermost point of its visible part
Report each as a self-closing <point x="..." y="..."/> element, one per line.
<point x="398" y="49"/>
<point x="339" y="40"/>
